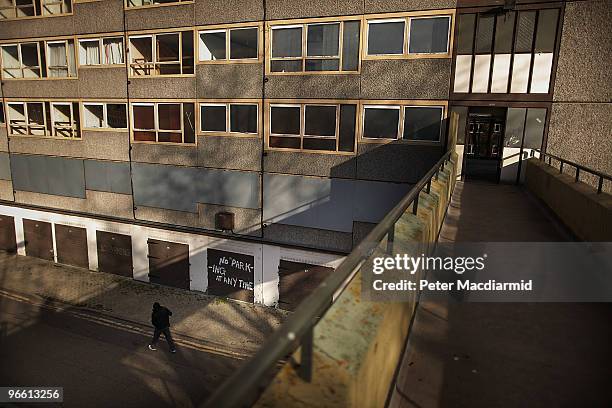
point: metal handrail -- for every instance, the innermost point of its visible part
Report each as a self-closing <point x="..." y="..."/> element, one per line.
<point x="246" y="385"/>
<point x="578" y="167"/>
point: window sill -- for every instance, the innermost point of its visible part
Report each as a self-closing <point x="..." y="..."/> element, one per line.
<point x="405" y="57"/>
<point x="35" y="17"/>
<point x="227" y="134"/>
<point x="401" y="141"/>
<point x="135" y="142"/>
<point x="120" y="130"/>
<point x="40" y="79"/>
<point x="270" y="73"/>
<point x="72" y="139"/>
<point x="287" y="150"/>
<point x="149" y="6"/>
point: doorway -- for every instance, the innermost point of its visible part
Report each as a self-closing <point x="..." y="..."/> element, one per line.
<point x="169" y="263"/>
<point x="484" y="143"/>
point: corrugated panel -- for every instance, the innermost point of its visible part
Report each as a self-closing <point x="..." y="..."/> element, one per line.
<point x="374" y="199"/>
<point x="233" y="188"/>
<point x="48" y="175"/>
<point x="113" y="177"/>
<point x="5" y="166"/>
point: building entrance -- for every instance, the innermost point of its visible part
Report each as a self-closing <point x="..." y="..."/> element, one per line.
<point x="484" y="143"/>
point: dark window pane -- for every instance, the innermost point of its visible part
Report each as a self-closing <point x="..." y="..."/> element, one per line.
<point x="320" y="120"/>
<point x="386" y="38"/>
<point x="169" y="69"/>
<point x="286" y="66"/>
<point x="285" y="120"/>
<point x="323" y="40"/>
<point x="169" y="137"/>
<point x="189" y="122"/>
<point x="214" y="46"/>
<point x="287" y="42"/>
<point x="319" y="144"/>
<point x="213" y="118"/>
<point x="144" y="117"/>
<point x="243" y="118"/>
<point x="169" y="116"/>
<point x="188" y="55"/>
<point x="484" y="34"/>
<point x="141" y="136"/>
<point x="547" y="30"/>
<point x="422" y="123"/>
<point x="524" y="31"/>
<point x="115" y="114"/>
<point x="285" y="142"/>
<point x="350" y="46"/>
<point x="381" y="123"/>
<point x="36" y="113"/>
<point x="29" y="54"/>
<point x="322" y="65"/>
<point x="465" y="33"/>
<point x="504" y="31"/>
<point x="429" y="35"/>
<point x="243" y="43"/>
<point x="167" y="47"/>
<point x="346" y="138"/>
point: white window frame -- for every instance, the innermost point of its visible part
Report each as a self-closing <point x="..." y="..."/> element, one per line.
<point x="448" y="40"/>
<point x="73" y="128"/>
<point x="227" y="123"/>
<point x="154" y="57"/>
<point x="228" y="118"/>
<point x="26" y="121"/>
<point x="22" y="67"/>
<point x="101" y="56"/>
<point x="154" y="3"/>
<point x="228" y="49"/>
<point x="400" y="121"/>
<point x="66" y="51"/>
<point x="105" y="125"/>
<point x="14" y="14"/>
<point x="441" y="108"/>
<point x="337" y="125"/>
<point x="157" y="130"/>
<point x="383" y="21"/>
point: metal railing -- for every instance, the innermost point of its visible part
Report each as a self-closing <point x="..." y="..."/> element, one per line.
<point x="248" y="383"/>
<point x="579" y="168"/>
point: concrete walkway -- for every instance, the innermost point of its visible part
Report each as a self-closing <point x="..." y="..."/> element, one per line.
<point x="206" y="322"/>
<point x="505" y="355"/>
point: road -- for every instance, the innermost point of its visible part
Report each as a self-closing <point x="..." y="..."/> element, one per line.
<point x="100" y="365"/>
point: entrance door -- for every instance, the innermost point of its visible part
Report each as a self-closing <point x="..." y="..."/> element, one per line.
<point x="169" y="263"/>
<point x="483" y="145"/>
<point x="8" y="240"/>
<point x="114" y="253"/>
<point x="71" y="245"/>
<point x="38" y="239"/>
<point x="298" y="280"/>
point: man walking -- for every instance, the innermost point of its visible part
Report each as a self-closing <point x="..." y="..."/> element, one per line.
<point x="160" y="317"/>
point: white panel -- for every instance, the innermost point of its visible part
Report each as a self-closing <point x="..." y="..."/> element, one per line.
<point x="501" y="73"/>
<point x="520" y="73"/>
<point x="542" y="66"/>
<point x="482" y="65"/>
<point x="463" y="66"/>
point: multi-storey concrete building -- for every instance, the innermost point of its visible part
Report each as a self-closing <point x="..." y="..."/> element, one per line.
<point x="238" y="146"/>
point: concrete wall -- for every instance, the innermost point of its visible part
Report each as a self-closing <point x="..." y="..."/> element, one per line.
<point x="587" y="214"/>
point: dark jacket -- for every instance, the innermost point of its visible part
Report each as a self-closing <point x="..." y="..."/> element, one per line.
<point x="161" y="317"/>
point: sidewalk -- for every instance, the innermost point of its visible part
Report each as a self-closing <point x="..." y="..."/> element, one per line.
<point x="217" y="323"/>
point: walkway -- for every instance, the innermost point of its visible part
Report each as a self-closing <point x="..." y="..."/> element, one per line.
<point x="502" y="354"/>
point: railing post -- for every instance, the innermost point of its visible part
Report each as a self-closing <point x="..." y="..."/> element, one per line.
<point x="390" y="239"/>
<point x="600" y="185"/>
<point x="306" y="350"/>
<point x="549" y="161"/>
<point x="561" y="168"/>
<point x="577" y="173"/>
<point x="428" y="188"/>
<point x="415" y="203"/>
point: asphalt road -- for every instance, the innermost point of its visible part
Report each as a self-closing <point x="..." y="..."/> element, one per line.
<point x="100" y="365"/>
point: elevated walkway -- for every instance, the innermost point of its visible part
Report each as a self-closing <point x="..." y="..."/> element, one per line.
<point x="497" y="354"/>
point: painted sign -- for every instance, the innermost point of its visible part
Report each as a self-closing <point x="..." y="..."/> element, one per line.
<point x="230" y="274"/>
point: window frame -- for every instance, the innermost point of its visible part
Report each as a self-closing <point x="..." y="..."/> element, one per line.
<point x="104" y="104"/>
<point x="157" y="130"/>
<point x="227" y="28"/>
<point x="406" y="18"/>
<point x="22" y="67"/>
<point x="228" y="103"/>
<point x="303" y="24"/>
<point x="26" y="119"/>
<point x="153" y="34"/>
<point x="174" y="3"/>
<point x="100" y="41"/>
<point x="48" y="118"/>
<point x="402" y="105"/>
<point x="302" y="103"/>
<point x="74" y="127"/>
<point x="37" y="13"/>
<point x="75" y="74"/>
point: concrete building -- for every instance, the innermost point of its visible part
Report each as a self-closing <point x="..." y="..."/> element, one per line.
<point x="238" y="146"/>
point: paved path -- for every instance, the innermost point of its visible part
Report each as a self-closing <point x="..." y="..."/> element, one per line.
<point x="100" y="365"/>
<point x="505" y="355"/>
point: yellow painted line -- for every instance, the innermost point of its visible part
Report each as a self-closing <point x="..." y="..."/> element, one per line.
<point x="126" y="327"/>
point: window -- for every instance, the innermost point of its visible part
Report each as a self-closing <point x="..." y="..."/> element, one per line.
<point x="228" y="118"/>
<point x="512" y="53"/>
<point x="315" y="47"/>
<point x="164" y="122"/>
<point x="229" y="44"/>
<point x="405" y="36"/>
<point x="101" y="51"/>
<point x="61" y="59"/>
<point x="104" y="116"/>
<point x="51" y="119"/>
<point x="162" y="54"/>
<point x="144" y="3"/>
<point x="31" y="8"/>
<point x="312" y="127"/>
<point x="21" y="60"/>
<point x="406" y="122"/>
